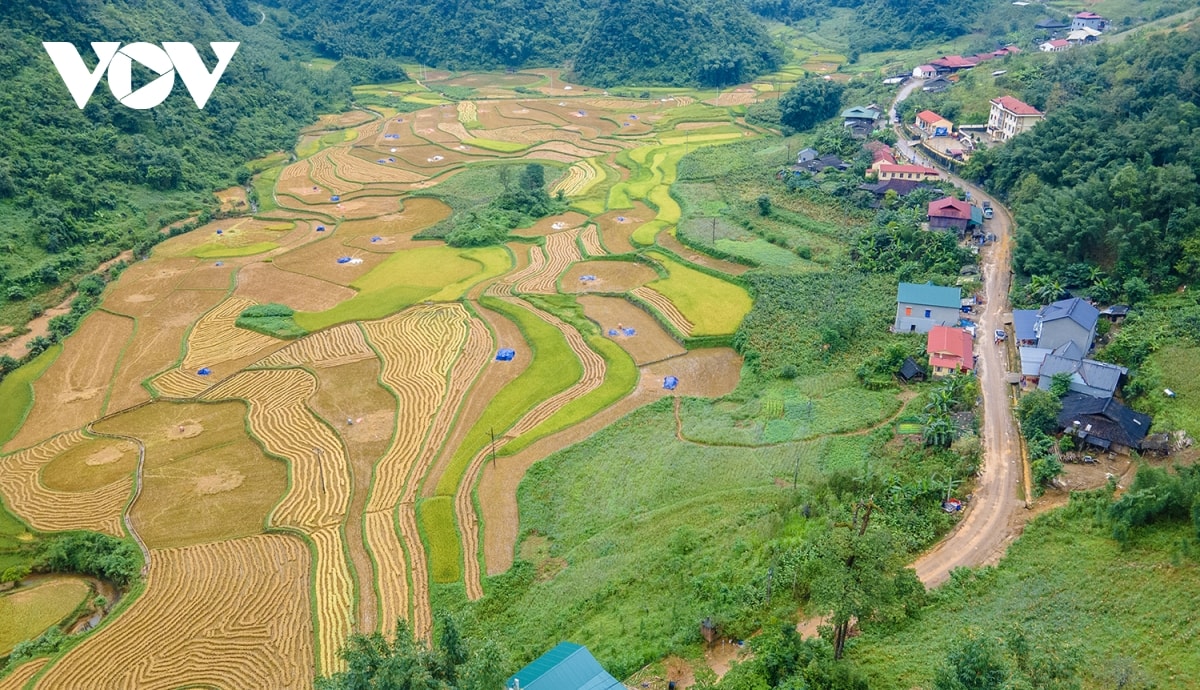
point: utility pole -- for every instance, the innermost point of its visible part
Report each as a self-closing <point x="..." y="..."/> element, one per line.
<point x="492" y="432"/>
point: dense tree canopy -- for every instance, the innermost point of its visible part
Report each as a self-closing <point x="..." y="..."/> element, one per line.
<point x="78" y="185"/>
<point x="1108" y="180"/>
<point x="809" y="102"/>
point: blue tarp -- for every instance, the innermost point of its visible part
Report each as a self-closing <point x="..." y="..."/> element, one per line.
<point x="587" y="278"/>
<point x="629" y="331"/>
<point x="670" y="383"/>
<point x="620" y="219"/>
<point x="220" y="263"/>
<point x="320" y="228"/>
<point x="376" y="238"/>
<point x="335" y="197"/>
<point x="505" y="354"/>
<point x="204" y="372"/>
<point x="633" y="117"/>
<point x="220" y="232"/>
<point x="343" y="259"/>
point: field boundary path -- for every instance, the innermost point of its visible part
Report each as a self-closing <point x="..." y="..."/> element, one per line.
<point x="137" y="488"/>
<point x="986" y="530"/>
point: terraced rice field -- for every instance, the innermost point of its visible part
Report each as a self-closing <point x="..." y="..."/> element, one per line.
<point x="278" y="519"/>
<point x="243" y="603"/>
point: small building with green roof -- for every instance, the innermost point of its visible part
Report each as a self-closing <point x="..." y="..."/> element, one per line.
<point x="566" y="667"/>
<point x="920" y="307"/>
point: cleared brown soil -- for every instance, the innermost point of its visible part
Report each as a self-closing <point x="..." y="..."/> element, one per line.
<point x="267" y="283"/>
<point x="650" y="344"/>
<point x="552" y="224"/>
<point x="708" y="373"/>
<point x="233" y="200"/>
<point x="615" y="233"/>
<point x="71" y="392"/>
<point x="611" y="276"/>
<point x="158" y="343"/>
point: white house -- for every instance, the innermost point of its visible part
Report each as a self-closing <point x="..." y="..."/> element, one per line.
<point x="1058" y="45"/>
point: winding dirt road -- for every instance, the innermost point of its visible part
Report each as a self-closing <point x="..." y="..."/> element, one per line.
<point x="986" y="529"/>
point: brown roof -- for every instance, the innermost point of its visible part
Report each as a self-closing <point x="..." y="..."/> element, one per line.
<point x="930" y="117"/>
<point x="1016" y="106"/>
<point x="950" y="207"/>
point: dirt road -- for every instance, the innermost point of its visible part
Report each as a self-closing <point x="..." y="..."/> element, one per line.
<point x="986" y="529"/>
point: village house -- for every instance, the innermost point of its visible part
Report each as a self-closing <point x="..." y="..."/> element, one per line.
<point x="1058" y="45"/>
<point x="890" y="171"/>
<point x="566" y="667"/>
<point x="1088" y="376"/>
<point x="936" y="85"/>
<point x="920" y="307"/>
<point x="1067" y="321"/>
<point x="1010" y="117"/>
<point x="1052" y="25"/>
<point x="954" y="214"/>
<point x="1089" y="20"/>
<point x="806" y="155"/>
<point x="950" y="351"/>
<point x="925" y="72"/>
<point x="933" y="125"/>
<point x="953" y="63"/>
<point x="1084" y="36"/>
<point x="1103" y="422"/>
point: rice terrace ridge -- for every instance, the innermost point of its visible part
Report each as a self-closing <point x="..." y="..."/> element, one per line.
<point x="570" y="344"/>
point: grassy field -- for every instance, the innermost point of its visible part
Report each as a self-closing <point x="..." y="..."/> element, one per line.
<point x="27" y="612"/>
<point x="790" y="411"/>
<point x="496" y="145"/>
<point x="636" y="530"/>
<point x="408" y="277"/>
<point x="437" y="525"/>
<point x="1175" y="367"/>
<point x="16" y="392"/>
<point x="1067" y="581"/>
<point x="714" y="306"/>
<point x="215" y="250"/>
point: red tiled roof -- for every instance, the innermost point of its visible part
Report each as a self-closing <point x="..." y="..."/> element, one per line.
<point x="893" y="168"/>
<point x="954" y="62"/>
<point x="929" y="116"/>
<point x="927" y="68"/>
<point x="950" y="207"/>
<point x="884" y="155"/>
<point x="1013" y="105"/>
<point x="950" y="347"/>
<point x="1059" y="43"/>
<point x="1088" y="15"/>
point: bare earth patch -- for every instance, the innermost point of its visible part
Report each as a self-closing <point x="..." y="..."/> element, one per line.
<point x="186" y="429"/>
<point x="106" y="456"/>
<point x="225" y="480"/>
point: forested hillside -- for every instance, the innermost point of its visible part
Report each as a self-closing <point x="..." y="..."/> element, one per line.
<point x="1105" y="190"/>
<point x="78" y="185"/>
<point x="711" y="42"/>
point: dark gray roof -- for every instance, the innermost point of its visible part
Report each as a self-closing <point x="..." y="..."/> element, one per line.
<point x="1116" y="310"/>
<point x="1023" y="321"/>
<point x="1052" y="24"/>
<point x="1110" y="421"/>
<point x="1069" y="350"/>
<point x="910" y="369"/>
<point x="1075" y="309"/>
<point x="1032" y="359"/>
<point x="1098" y="376"/>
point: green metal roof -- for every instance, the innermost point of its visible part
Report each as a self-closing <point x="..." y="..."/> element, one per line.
<point x="566" y="667"/>
<point x="929" y="295"/>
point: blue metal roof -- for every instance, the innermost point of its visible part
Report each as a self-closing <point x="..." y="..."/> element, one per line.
<point x="929" y="295"/>
<point x="1023" y="324"/>
<point x="566" y="667"/>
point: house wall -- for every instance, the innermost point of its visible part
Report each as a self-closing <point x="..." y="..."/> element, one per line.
<point x="910" y="318"/>
<point x="1004" y="125"/>
<point x="1061" y="331"/>
<point x="956" y="224"/>
<point x="885" y="176"/>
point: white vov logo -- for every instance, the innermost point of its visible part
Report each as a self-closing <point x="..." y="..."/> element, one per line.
<point x="118" y="61"/>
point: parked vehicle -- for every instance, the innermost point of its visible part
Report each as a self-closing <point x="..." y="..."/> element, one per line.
<point x="987" y="209"/>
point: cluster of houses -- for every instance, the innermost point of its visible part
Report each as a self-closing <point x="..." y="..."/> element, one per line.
<point x="1084" y="28"/>
<point x="950" y="64"/>
<point x="1055" y="339"/>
